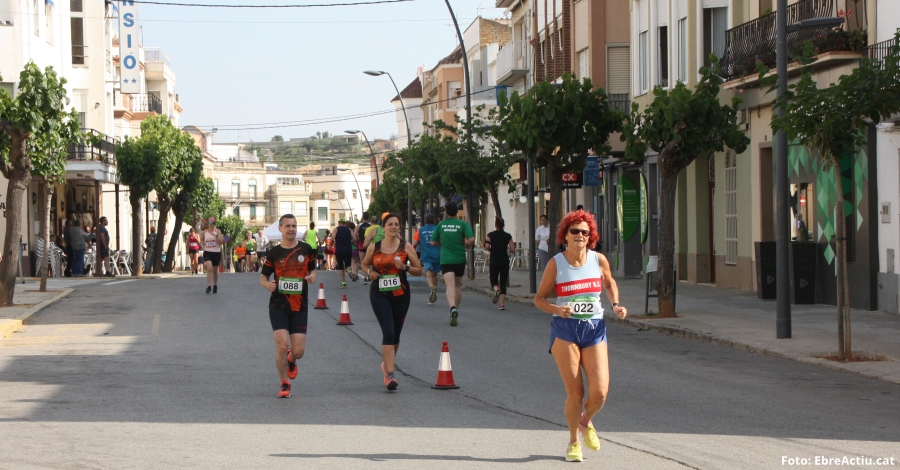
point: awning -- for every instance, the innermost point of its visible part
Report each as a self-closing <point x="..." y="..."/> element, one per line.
<point x="271" y="232"/>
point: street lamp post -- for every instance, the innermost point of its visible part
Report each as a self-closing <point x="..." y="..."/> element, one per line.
<point x="782" y="199"/>
<point x="376" y="73"/>
<point x="374" y="157"/>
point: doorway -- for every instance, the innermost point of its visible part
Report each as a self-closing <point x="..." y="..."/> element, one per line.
<point x="711" y="189"/>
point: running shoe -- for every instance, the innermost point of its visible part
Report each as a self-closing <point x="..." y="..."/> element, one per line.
<point x="501" y="307"/>
<point x="454" y="313"/>
<point x="391" y="382"/>
<point x="343" y="285"/>
<point x="292" y="366"/>
<point x="496" y="296"/>
<point x="433" y="298"/>
<point x="208" y="289"/>
<point x="215" y="289"/>
<point x="285" y="390"/>
<point x="365" y="280"/>
<point x="573" y="453"/>
<point x="589" y="434"/>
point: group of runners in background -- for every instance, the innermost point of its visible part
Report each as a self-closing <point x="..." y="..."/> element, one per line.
<point x="576" y="277"/>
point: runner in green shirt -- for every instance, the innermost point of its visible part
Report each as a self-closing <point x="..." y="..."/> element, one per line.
<point x="454" y="236"/>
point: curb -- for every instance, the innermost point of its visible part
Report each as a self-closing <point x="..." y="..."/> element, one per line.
<point x="7" y="327"/>
<point x="712" y="339"/>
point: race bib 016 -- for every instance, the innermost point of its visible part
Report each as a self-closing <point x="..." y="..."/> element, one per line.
<point x="290" y="285"/>
<point x="584" y="306"/>
<point x="389" y="282"/>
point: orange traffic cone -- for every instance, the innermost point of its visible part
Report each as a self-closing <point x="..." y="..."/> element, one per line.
<point x="320" y="303"/>
<point x="445" y="372"/>
<point x="345" y="313"/>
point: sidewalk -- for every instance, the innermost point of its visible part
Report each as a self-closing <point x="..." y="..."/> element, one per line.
<point x="736" y="318"/>
<point x="28" y="301"/>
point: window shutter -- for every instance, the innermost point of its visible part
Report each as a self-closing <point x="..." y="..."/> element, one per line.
<point x="715" y="3"/>
<point x="618" y="76"/>
<point x="681" y="9"/>
<point x="662" y="12"/>
<point x="584" y="64"/>
<point x="8" y="86"/>
<point x="644" y="12"/>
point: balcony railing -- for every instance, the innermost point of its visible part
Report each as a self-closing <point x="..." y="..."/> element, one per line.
<point x="156" y="55"/>
<point x="146" y="103"/>
<point x="754" y="41"/>
<point x="512" y="60"/>
<point x="880" y="50"/>
<point x="620" y="101"/>
<point x="98" y="147"/>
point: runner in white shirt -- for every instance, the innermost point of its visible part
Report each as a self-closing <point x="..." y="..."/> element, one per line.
<point x="542" y="236"/>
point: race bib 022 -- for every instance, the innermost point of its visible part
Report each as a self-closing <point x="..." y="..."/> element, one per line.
<point x="584" y="306"/>
<point x="389" y="282"/>
<point x="290" y="285"/>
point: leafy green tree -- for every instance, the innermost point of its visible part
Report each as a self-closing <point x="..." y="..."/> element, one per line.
<point x="277" y="138"/>
<point x="33" y="128"/>
<point x="835" y="121"/>
<point x="233" y="228"/>
<point x="205" y="202"/>
<point x="138" y="163"/>
<point x="555" y="125"/>
<point x="680" y="124"/>
<point x="495" y="158"/>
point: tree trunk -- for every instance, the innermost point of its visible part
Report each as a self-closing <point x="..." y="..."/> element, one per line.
<point x="137" y="232"/>
<point x="554" y="214"/>
<point x="173" y="242"/>
<point x="843" y="292"/>
<point x="19" y="175"/>
<point x="665" y="275"/>
<point x="495" y="196"/>
<point x="165" y="205"/>
<point x="47" y="192"/>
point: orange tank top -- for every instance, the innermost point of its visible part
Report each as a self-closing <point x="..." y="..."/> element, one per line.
<point x="383" y="263"/>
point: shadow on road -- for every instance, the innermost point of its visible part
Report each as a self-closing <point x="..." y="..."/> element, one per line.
<point x="389" y="457"/>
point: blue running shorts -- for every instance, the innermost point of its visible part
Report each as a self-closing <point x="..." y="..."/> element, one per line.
<point x="429" y="266"/>
<point x="584" y="333"/>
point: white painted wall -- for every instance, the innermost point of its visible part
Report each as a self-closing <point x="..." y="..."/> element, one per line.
<point x="887" y="19"/>
<point x="888" y="192"/>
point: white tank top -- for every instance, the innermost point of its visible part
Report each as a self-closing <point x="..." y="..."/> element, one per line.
<point x="580" y="288"/>
<point x="209" y="243"/>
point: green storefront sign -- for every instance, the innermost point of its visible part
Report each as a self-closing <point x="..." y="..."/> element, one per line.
<point x="628" y="208"/>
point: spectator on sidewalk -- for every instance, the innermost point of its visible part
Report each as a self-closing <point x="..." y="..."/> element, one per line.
<point x="103" y="249"/>
<point x="262" y="245"/>
<point x="79" y="243"/>
<point x="149" y="247"/>
<point x="542" y="236"/>
<point x="67" y="248"/>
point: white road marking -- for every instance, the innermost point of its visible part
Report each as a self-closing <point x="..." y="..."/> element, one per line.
<point x="118" y="282"/>
<point x="154" y="330"/>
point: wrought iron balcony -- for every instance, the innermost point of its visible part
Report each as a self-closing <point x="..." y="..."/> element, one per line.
<point x="146" y="103"/>
<point x="620" y="101"/>
<point x="754" y="41"/>
<point x="880" y="50"/>
<point x="98" y="147"/>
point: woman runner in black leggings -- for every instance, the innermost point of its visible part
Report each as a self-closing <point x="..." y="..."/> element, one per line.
<point x="386" y="264"/>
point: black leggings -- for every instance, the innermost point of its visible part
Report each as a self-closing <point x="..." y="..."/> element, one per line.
<point x="500" y="274"/>
<point x="390" y="311"/>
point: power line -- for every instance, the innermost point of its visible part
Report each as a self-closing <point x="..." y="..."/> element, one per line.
<point x="202" y="5"/>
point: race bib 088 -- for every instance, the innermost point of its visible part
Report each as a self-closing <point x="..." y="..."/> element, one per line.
<point x="389" y="282"/>
<point x="584" y="306"/>
<point x="290" y="285"/>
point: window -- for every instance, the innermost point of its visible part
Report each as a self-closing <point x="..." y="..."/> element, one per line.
<point x="76" y="5"/>
<point x="323" y="214"/>
<point x="367" y="193"/>
<point x="301" y="209"/>
<point x="354" y="193"/>
<point x="37" y="17"/>
<point x="662" y="63"/>
<point x="252" y="194"/>
<point x="341" y="194"/>
<point x="9" y="87"/>
<point x="682" y="50"/>
<point x="731" y="213"/>
<point x="584" y="70"/>
<point x="216" y="185"/>
<point x="618" y="67"/>
<point x="454" y="91"/>
<point x="715" y="21"/>
<point x="48" y="22"/>
<point x="237" y="211"/>
<point x="235" y="189"/>
<point x="284" y="207"/>
<point x="252" y="211"/>
<point x="78" y="47"/>
<point x="643" y="59"/>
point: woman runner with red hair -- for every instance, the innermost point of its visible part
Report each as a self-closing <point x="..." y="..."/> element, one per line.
<point x="577" y="277"/>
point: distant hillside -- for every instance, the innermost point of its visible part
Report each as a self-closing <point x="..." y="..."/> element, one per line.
<point x="295" y="154"/>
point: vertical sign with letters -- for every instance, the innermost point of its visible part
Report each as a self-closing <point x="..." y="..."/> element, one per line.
<point x="129" y="48"/>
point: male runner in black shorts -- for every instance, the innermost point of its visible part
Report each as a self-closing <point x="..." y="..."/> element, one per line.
<point x="343" y="247"/>
<point x="293" y="263"/>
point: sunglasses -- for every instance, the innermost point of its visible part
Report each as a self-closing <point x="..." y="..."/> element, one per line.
<point x="575" y="231"/>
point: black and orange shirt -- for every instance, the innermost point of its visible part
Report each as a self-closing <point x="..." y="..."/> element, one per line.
<point x="391" y="280"/>
<point x="290" y="266"/>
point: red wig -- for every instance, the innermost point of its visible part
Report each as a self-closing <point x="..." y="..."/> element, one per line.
<point x="578" y="217"/>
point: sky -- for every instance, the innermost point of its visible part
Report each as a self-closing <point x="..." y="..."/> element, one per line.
<point x="245" y="71"/>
